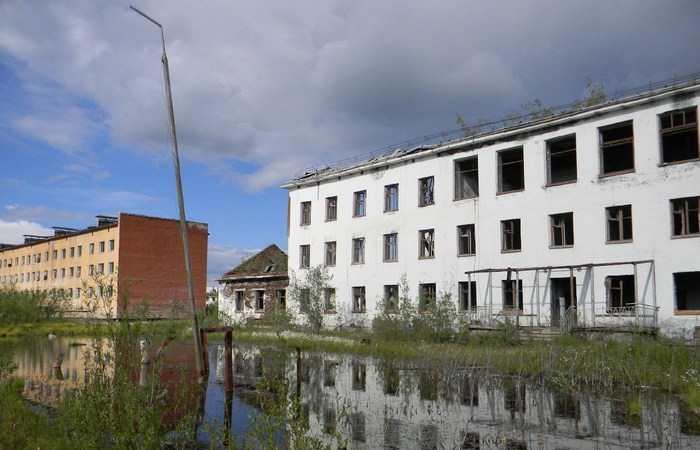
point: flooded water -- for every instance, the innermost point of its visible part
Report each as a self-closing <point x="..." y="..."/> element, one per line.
<point x="374" y="403"/>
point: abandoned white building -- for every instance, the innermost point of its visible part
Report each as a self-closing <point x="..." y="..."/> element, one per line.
<point x="255" y="287"/>
<point x="586" y="218"/>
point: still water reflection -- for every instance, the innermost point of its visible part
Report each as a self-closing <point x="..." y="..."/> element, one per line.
<point x="374" y="403"/>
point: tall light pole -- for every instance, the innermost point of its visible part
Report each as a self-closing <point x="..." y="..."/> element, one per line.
<point x="180" y="201"/>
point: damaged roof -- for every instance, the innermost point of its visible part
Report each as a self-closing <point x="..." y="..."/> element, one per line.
<point x="269" y="261"/>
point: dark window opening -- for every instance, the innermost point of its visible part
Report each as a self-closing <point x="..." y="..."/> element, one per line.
<point x="510" y="235"/>
<point x="259" y="300"/>
<point x="467" y="295"/>
<point x="512" y="294"/>
<point x="621" y="295"/>
<point x="511" y="171"/>
<point x="686" y="216"/>
<point x="391" y="297"/>
<point x="358" y="299"/>
<point x="467" y="178"/>
<point x="240" y="301"/>
<point x="426" y="296"/>
<point x="619" y="223"/>
<point x="687" y="285"/>
<point x="561" y="160"/>
<point x="679" y="135"/>
<point x="617" y="148"/>
<point x="329" y="299"/>
<point x="281" y="298"/>
<point x="562" y="229"/>
<point x="466" y="240"/>
<point x="426" y="187"/>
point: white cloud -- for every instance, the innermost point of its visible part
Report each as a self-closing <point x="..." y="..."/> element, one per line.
<point x="13" y="232"/>
<point x="30" y="214"/>
<point x="222" y="258"/>
<point x="282" y="85"/>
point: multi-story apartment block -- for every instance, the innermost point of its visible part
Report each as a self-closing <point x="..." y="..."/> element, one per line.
<point x="586" y="218"/>
<point x="129" y="256"/>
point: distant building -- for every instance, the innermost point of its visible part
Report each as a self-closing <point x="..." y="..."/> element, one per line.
<point x="587" y="218"/>
<point x="129" y="256"/>
<point x="255" y="287"/>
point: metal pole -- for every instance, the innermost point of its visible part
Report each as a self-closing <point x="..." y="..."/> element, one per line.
<point x="181" y="203"/>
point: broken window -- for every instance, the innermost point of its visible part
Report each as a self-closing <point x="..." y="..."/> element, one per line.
<point x="329" y="299"/>
<point x="562" y="226"/>
<point x="620" y="293"/>
<point x="619" y="223"/>
<point x="561" y="160"/>
<point x="512" y="294"/>
<point x="305" y="213"/>
<point x="466" y="240"/>
<point x="467" y="295"/>
<point x="511" y="171"/>
<point x="426" y="296"/>
<point x="427" y="244"/>
<point x="426" y="187"/>
<point x="331" y="208"/>
<point x="360" y="204"/>
<point x="391" y="197"/>
<point x="240" y="301"/>
<point x="304" y="256"/>
<point x="358" y="251"/>
<point x="259" y="300"/>
<point x="391" y="297"/>
<point x="687" y="286"/>
<point x="358" y="299"/>
<point x="617" y="148"/>
<point x="391" y="247"/>
<point x="679" y="135"/>
<point x="467" y="178"/>
<point x="330" y="253"/>
<point x="510" y="235"/>
<point x="686" y="216"/>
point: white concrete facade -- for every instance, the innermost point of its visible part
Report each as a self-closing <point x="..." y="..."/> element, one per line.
<point x="646" y="186"/>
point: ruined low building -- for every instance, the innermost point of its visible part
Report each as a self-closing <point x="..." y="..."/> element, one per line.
<point x="256" y="287"/>
<point x="584" y="218"/>
<point x="121" y="262"/>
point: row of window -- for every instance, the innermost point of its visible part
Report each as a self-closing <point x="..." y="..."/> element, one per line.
<point x="685" y="214"/>
<point x="68" y="293"/>
<point x="71" y="252"/>
<point x="679" y="143"/>
<point x="280" y="297"/>
<point x="620" y="294"/>
<point x="70" y="272"/>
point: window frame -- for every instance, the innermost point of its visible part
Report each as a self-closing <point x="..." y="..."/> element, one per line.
<point x="329" y="300"/>
<point x="619" y="217"/>
<point x="359" y="203"/>
<point x="467" y="297"/>
<point x="515" y="163"/>
<point x="391" y="197"/>
<point x="259" y="300"/>
<point x="623" y="307"/>
<point x="331" y="208"/>
<point x="466" y="240"/>
<point x="426" y="241"/>
<point x="667" y="133"/>
<point x="239" y="301"/>
<point x="330" y="254"/>
<point x="358" y="250"/>
<point x="427" y="297"/>
<point x="359" y="299"/>
<point x="689" y="217"/>
<point x="462" y="178"/>
<point x="509" y="289"/>
<point x="562" y="151"/>
<point x="388" y="306"/>
<point x="305" y="213"/>
<point x="511" y="227"/>
<point x="618" y="145"/>
<point x="561" y="225"/>
<point x="426" y="191"/>
<point x="304" y="256"/>
<point x="391" y="247"/>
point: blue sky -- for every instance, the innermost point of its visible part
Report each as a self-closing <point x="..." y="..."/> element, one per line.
<point x="265" y="89"/>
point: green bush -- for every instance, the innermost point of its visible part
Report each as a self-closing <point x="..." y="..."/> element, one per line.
<point x="29" y="306"/>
